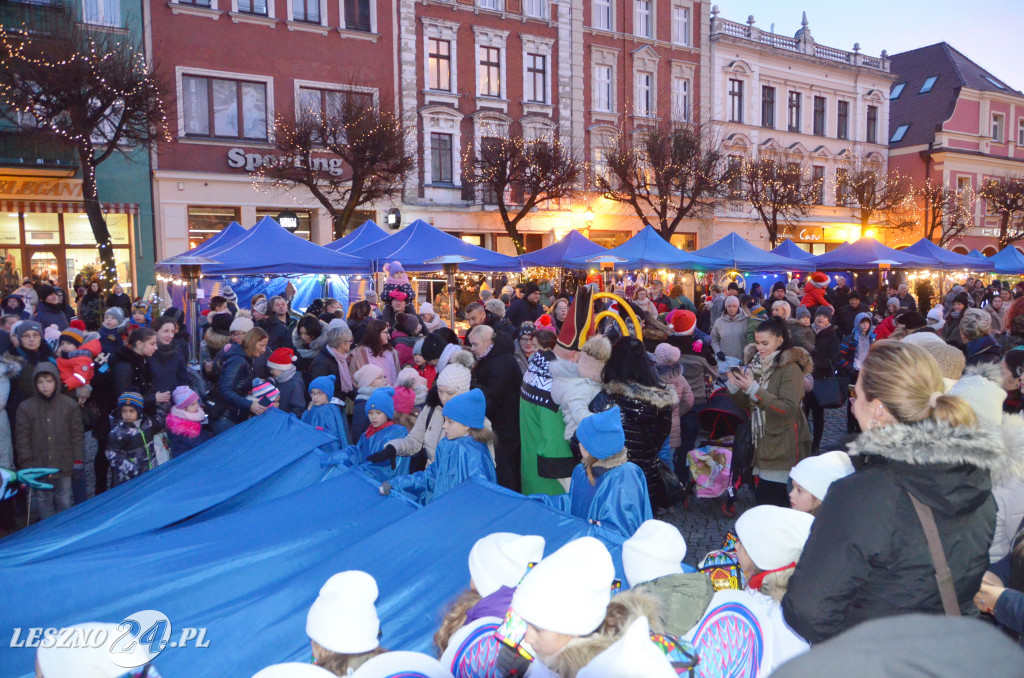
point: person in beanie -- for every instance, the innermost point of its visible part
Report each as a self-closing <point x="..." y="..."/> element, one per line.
<point x="93" y="659"/>
<point x="367" y="379"/>
<point x="700" y="368"/>
<point x="462" y="454"/>
<point x="265" y="393"/>
<point x="422" y="367"/>
<point x="130" y="447"/>
<point x="778" y="294"/>
<point x="410" y="396"/>
<point x="380" y="411"/>
<point x="526" y="309"/>
<point x="846" y="314"/>
<point x="497" y="374"/>
<point x="813" y="476"/>
<point x="185" y="422"/>
<point x="605" y="489"/>
<point x="634" y="655"/>
<point x="729" y="331"/>
<point x="814" y="291"/>
<point x="322" y="413"/>
<point x="75" y="360"/>
<point x="342" y="623"/>
<point x="281" y="364"/>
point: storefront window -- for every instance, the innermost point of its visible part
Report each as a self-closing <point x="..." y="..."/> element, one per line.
<point x="42" y="229"/>
<point x="44" y="265"/>
<point x="305" y="220"/>
<point x="206" y="222"/>
<point x="78" y="230"/>
<point x="608" y="239"/>
<point x="79" y="259"/>
<point x="10" y="229"/>
<point x="684" y="241"/>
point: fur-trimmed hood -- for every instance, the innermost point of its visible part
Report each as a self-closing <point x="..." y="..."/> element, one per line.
<point x="658" y="396"/>
<point x="794" y="355"/>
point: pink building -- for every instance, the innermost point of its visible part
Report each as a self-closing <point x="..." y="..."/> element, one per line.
<point x="955" y="123"/>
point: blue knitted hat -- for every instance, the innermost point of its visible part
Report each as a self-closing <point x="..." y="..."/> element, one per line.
<point x="467" y="408"/>
<point x="131" y="399"/>
<point x="324" y="383"/>
<point x="383" y="400"/>
<point x="601" y="433"/>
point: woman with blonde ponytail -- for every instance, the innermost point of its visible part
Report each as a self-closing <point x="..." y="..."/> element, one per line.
<point x="867" y="555"/>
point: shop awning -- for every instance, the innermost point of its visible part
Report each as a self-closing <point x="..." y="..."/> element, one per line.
<point x="47" y="207"/>
<point x="648" y="249"/>
<point x="867" y="253"/>
<point x="366" y="234"/>
<point x="419" y="241"/>
<point x="1008" y="261"/>
<point x="573" y="245"/>
<point x="944" y="260"/>
<point x="788" y="248"/>
<point x="739" y="255"/>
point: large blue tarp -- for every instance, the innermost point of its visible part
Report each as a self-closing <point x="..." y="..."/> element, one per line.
<point x="976" y="254"/>
<point x="558" y="255"/>
<point x="737" y="254"/>
<point x="788" y="248"/>
<point x="648" y="249"/>
<point x="944" y="260"/>
<point x="366" y="234"/>
<point x="867" y="253"/>
<point x="1008" y="261"/>
<point x="229" y="234"/>
<point x="418" y="242"/>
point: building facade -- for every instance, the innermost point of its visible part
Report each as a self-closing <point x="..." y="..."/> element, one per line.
<point x="955" y="124"/>
<point x="801" y="102"/>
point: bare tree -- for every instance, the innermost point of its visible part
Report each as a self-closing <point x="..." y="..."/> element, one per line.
<point x="666" y="173"/>
<point x="85" y="89"/>
<point x="946" y="213"/>
<point x="879" y="199"/>
<point x="520" y="175"/>
<point x="1004" y="196"/>
<point x="346" y="151"/>
<point x="778" y="191"/>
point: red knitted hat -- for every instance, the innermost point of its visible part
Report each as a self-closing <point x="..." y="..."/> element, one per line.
<point x="684" y="322"/>
<point x="281" y="359"/>
<point x="405" y="400"/>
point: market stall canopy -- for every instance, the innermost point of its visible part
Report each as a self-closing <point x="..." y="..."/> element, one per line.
<point x="867" y="253"/>
<point x="976" y="254"/>
<point x="788" y="248"/>
<point x="364" y="235"/>
<point x="737" y="254"/>
<point x="269" y="249"/>
<point x="229" y="234"/>
<point x="572" y="246"/>
<point x="1008" y="261"/>
<point x="419" y="241"/>
<point x="647" y="249"/>
<point x="944" y="260"/>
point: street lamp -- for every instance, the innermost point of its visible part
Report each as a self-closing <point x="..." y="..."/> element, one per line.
<point x="588" y="218"/>
<point x="191" y="267"/>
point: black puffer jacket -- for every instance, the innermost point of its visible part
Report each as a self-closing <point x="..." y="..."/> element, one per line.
<point x="497" y="374"/>
<point x="646" y="421"/>
<point x="825" y="356"/>
<point x="236" y="383"/>
<point x="867" y="556"/>
<point x="279" y="334"/>
<point x="132" y="372"/>
<point x="168" y="368"/>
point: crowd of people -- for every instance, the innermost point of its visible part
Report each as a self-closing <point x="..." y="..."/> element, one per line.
<point x="595" y="419"/>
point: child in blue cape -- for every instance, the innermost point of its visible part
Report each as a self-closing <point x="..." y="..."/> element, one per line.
<point x="322" y="413"/>
<point x="462" y="453"/>
<point x="605" y="488"/>
<point x="380" y="410"/>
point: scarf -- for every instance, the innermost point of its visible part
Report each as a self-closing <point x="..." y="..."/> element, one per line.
<point x="188" y="416"/>
<point x="285" y="375"/>
<point x="374" y="429"/>
<point x="761" y="370"/>
<point x="344" y="376"/>
<point x="758" y="579"/>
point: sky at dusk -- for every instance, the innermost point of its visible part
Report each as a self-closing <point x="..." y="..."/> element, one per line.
<point x="989" y="32"/>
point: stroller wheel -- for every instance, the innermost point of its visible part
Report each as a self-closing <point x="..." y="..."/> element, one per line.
<point x="728" y="509"/>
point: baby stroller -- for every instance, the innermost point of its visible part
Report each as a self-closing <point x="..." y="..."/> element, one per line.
<point x="715" y="468"/>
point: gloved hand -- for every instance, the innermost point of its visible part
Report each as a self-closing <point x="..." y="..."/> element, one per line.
<point x="387" y="454"/>
<point x="29" y="477"/>
<point x="720" y="356"/>
<point x="385" y="488"/>
<point x="510" y="664"/>
<point x="51" y="333"/>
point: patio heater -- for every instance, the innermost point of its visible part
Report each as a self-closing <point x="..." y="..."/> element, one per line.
<point x="450" y="264"/>
<point x="191" y="267"/>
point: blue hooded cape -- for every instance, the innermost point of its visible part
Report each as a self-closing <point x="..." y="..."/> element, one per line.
<point x="618" y="501"/>
<point x="355" y="455"/>
<point x="328" y="418"/>
<point x="455" y="462"/>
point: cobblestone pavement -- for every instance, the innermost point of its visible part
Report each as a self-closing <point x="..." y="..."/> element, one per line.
<point x="702" y="522"/>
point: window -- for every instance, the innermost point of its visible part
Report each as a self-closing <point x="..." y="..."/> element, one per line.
<point x="994" y="81"/>
<point x="843" y="120"/>
<point x="489" y="73"/>
<point x="644" y="94"/>
<point x="260" y="7"/>
<point x="439" y="64"/>
<point x="205" y="222"/>
<point x="898" y="135"/>
<point x="926" y="87"/>
<point x="680" y="100"/>
<point x="302" y="10"/>
<point x="102" y="12"/>
<point x="489" y="4"/>
<point x="818" y="177"/>
<point x="897" y="90"/>
<point x="536" y="9"/>
<point x="872" y="132"/>
<point x="819" y="116"/>
<point x="215" y="107"/>
<point x="681" y="25"/>
<point x="963" y="185"/>
<point x="599" y="166"/>
<point x="794" y="111"/>
<point x="195" y="3"/>
<point x="735" y="100"/>
<point x="998" y="126"/>
<point x="735" y="174"/>
<point x="314" y="100"/>
<point x="1020" y="132"/>
<point x="536" y="78"/>
<point x="603" y="93"/>
<point x="768" y="107"/>
<point x="642" y="19"/>
<point x="603" y="15"/>
<point x="842" y="184"/>
<point x="441" y="158"/>
<point x="489" y="196"/>
<point x="358" y="15"/>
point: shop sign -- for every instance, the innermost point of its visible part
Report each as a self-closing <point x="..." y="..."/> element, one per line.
<point x="33" y="187"/>
<point x="238" y="158"/>
<point x="808" y="234"/>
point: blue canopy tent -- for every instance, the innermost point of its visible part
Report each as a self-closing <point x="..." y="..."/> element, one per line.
<point x="573" y="245"/>
<point x="976" y="254"/>
<point x="788" y="248"/>
<point x="944" y="260"/>
<point x="364" y="235"/>
<point x="418" y="242"/>
<point x="1008" y="261"/>
<point x="867" y="253"/>
<point x="740" y="255"/>
<point x="229" y="234"/>
<point x="647" y="249"/>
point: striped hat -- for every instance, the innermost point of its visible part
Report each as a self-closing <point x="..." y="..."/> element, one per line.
<point x="73" y="336"/>
<point x="131" y="399"/>
<point x="184" y="396"/>
<point x="264" y="389"/>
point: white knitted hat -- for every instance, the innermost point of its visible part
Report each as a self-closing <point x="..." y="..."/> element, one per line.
<point x="293" y="670"/>
<point x="773" y="536"/>
<point x="984" y="396"/>
<point x="455" y="376"/>
<point x="501" y="559"/>
<point x="655" y="550"/>
<point x="343" y="617"/>
<point x="82" y="662"/>
<point x="633" y="655"/>
<point x="815" y="474"/>
<point x="241" y="324"/>
<point x="569" y="591"/>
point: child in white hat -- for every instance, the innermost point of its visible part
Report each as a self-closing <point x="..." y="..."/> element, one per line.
<point x="631" y="656"/>
<point x="812" y="477"/>
<point x="342" y="623"/>
<point x="91" y="661"/>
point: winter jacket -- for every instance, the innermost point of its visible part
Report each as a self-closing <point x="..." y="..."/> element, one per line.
<point x="699" y="365"/>
<point x="803" y="335"/>
<point x="455" y="462"/>
<point x="360" y="355"/>
<point x="305" y="354"/>
<point x="49" y="314"/>
<point x="867" y="556"/>
<point x="840" y="296"/>
<point x="293" y="394"/>
<point x="9" y="369"/>
<point x="121" y="301"/>
<point x="844" y="317"/>
<point x="786" y="439"/>
<point x="573" y="394"/>
<point x="130" y="446"/>
<point x="825" y="356"/>
<point x="324" y="365"/>
<point x="672" y="376"/>
<point x="184" y="435"/>
<point x="814" y="297"/>
<point x="848" y="352"/>
<point x="520" y="311"/>
<point x="983" y="350"/>
<point x="133" y="372"/>
<point x="951" y="330"/>
<point x="729" y="334"/>
<point x="646" y="421"/>
<point x="426" y="434"/>
<point x="168" y="368"/>
<point x="77" y="367"/>
<point x="279" y="334"/>
<point x="684" y="598"/>
<point x="1009" y="495"/>
<point x="497" y="374"/>
<point x="48" y="431"/>
<point x="235" y="383"/>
